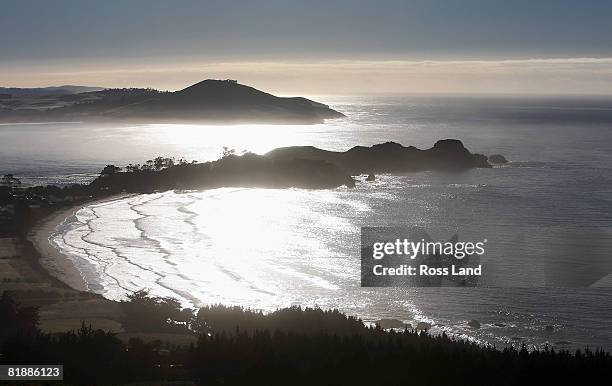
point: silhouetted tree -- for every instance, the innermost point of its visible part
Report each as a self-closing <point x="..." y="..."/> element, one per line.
<point x="14" y="318"/>
<point x="155" y="314"/>
<point x="290" y="346"/>
<point x="227" y="152"/>
<point x="110" y="170"/>
<point x="10" y="181"/>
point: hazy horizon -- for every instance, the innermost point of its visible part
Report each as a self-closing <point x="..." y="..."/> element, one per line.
<point x="514" y="77"/>
<point x="488" y="47"/>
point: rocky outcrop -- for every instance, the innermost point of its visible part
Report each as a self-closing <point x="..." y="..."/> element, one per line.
<point x="497" y="159"/>
<point x="390" y="157"/>
<point x="388" y="323"/>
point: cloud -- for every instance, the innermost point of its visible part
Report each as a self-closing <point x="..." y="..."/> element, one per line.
<point x="531" y="76"/>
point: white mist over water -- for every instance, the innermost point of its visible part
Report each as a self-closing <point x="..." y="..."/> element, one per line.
<point x="268" y="248"/>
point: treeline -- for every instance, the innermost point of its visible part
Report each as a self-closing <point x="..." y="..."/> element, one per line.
<point x="94" y="101"/>
<point x="292" y="346"/>
<point x="231" y="170"/>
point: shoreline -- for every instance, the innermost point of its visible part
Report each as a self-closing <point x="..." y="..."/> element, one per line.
<point x="51" y="260"/>
<point x="55" y="263"/>
<point x="60" y="267"/>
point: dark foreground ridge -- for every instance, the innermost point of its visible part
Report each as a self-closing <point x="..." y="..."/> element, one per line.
<point x="214" y="101"/>
<point x="292" y="346"/>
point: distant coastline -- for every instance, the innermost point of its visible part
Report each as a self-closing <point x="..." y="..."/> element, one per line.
<point x="210" y="101"/>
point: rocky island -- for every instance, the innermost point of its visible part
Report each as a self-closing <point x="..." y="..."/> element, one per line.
<point x="210" y="101"/>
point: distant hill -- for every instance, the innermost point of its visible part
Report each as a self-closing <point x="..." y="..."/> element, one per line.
<point x="54" y="90"/>
<point x="222" y="101"/>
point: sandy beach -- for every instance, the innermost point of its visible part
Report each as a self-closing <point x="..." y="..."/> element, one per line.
<point x="37" y="274"/>
<point x="51" y="259"/>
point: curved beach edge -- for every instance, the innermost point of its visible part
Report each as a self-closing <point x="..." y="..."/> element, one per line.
<point x="52" y="260"/>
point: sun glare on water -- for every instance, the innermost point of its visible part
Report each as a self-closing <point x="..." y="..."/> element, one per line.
<point x="201" y="139"/>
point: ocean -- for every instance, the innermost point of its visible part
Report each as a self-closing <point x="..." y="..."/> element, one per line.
<point x="547" y="215"/>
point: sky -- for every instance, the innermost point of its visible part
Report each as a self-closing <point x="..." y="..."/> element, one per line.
<point x="312" y="47"/>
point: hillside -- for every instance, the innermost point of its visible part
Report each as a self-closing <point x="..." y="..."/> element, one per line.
<point x="214" y="101"/>
<point x="389" y="157"/>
